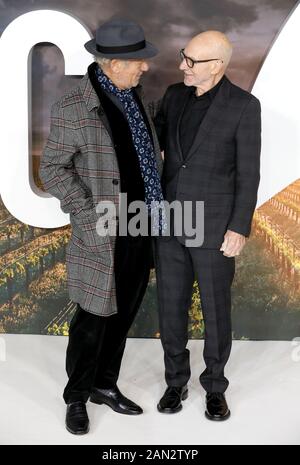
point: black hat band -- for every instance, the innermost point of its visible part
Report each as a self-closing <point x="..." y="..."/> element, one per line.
<point x="122" y="48"/>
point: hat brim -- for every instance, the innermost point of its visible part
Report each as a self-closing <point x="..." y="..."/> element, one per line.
<point x="146" y="52"/>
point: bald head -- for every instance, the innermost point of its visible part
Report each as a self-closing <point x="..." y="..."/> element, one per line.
<point x="212" y="46"/>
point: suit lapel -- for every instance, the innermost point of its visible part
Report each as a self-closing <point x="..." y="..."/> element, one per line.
<point x="213" y="115"/>
<point x="181" y="105"/>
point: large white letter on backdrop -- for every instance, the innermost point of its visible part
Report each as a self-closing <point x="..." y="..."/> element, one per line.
<point x="277" y="87"/>
<point x="26" y="203"/>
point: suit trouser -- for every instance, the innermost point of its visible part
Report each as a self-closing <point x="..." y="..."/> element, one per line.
<point x="176" y="268"/>
<point x="96" y="344"/>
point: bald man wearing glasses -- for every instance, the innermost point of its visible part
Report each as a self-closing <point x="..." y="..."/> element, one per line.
<point x="210" y="131"/>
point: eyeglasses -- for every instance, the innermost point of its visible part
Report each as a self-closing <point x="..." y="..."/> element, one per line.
<point x="190" y="62"/>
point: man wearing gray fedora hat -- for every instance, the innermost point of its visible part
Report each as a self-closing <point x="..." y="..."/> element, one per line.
<point x="102" y="143"/>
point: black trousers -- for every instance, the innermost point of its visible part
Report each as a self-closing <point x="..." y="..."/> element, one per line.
<point x="176" y="268"/>
<point x="96" y="344"/>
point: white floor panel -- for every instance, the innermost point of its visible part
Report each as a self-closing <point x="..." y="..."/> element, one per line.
<point x="263" y="395"/>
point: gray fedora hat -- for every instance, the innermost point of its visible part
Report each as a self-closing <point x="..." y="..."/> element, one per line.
<point x="122" y="39"/>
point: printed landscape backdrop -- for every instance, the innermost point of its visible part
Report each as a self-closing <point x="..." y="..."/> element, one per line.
<point x="266" y="290"/>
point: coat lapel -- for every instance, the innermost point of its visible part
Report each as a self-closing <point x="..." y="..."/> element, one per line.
<point x="213" y="114"/>
<point x="91" y="98"/>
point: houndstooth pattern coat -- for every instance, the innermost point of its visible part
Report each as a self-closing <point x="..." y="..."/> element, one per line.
<point x="79" y="166"/>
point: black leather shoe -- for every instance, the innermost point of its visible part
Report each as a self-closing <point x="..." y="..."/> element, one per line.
<point x="115" y="400"/>
<point x="77" y="420"/>
<point x="216" y="406"/>
<point x="171" y="400"/>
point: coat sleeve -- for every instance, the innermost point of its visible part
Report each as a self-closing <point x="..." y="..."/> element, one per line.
<point x="57" y="171"/>
<point x="248" y="146"/>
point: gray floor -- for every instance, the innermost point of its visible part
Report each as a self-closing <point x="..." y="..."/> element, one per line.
<point x="264" y="396"/>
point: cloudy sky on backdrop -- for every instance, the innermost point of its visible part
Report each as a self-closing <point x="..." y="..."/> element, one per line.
<point x="250" y="24"/>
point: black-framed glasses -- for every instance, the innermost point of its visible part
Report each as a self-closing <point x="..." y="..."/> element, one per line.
<point x="191" y="62"/>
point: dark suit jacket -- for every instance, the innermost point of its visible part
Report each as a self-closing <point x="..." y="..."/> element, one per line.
<point x="222" y="165"/>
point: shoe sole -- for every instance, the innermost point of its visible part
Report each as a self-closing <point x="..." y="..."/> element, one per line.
<point x="170" y="411"/>
<point x="98" y="401"/>
<point x="212" y="418"/>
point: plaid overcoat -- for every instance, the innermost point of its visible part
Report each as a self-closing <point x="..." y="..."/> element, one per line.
<point x="79" y="166"/>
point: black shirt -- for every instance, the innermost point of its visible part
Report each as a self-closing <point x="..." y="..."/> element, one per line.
<point x="194" y="112"/>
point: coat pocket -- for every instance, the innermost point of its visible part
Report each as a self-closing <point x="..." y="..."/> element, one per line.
<point x="85" y="236"/>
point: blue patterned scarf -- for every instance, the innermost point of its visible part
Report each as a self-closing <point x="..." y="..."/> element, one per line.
<point x="144" y="149"/>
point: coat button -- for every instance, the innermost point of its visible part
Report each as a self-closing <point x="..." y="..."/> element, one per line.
<point x="183" y="166"/>
<point x="115" y="181"/>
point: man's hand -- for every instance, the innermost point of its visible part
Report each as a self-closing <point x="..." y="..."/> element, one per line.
<point x="233" y="243"/>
